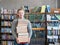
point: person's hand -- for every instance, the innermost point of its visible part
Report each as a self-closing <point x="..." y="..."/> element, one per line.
<point x="17" y="40"/>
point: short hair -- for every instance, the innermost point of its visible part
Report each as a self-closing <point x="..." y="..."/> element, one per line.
<point x="20" y="9"/>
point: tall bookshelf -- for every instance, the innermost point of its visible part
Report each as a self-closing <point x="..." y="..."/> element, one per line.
<point x="7" y="16"/>
<point x="53" y="27"/>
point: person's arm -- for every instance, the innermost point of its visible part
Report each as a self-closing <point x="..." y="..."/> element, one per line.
<point x="13" y="27"/>
<point x="30" y="29"/>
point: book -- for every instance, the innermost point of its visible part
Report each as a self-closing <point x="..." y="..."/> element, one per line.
<point x="2" y="17"/>
<point x="2" y="23"/>
<point x="39" y="18"/>
<point x="7" y="37"/>
<point x="50" y="32"/>
<point x="6" y="30"/>
<point x="53" y="17"/>
<point x="36" y="25"/>
<point x="43" y="9"/>
<point x="48" y="8"/>
<point x="48" y="17"/>
<point x="5" y="23"/>
<point x="38" y="9"/>
<point x="51" y="44"/>
<point x="23" y="37"/>
<point x="39" y="34"/>
<point x="31" y="17"/>
<point x="57" y="43"/>
<point x="22" y="31"/>
<point x="7" y="42"/>
<point x="35" y="9"/>
<point x="58" y="16"/>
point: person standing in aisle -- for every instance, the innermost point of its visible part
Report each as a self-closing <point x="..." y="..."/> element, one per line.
<point x="20" y="17"/>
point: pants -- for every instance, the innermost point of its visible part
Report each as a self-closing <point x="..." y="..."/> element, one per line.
<point x="15" y="43"/>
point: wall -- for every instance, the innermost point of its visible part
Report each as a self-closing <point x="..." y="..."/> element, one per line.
<point x="11" y="4"/>
<point x="58" y="3"/>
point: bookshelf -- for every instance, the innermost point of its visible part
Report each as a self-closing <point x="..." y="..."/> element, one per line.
<point x="7" y="16"/>
<point x="38" y="26"/>
<point x="6" y="35"/>
<point x="53" y="27"/>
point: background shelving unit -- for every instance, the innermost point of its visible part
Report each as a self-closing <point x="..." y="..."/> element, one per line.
<point x="6" y="34"/>
<point x="38" y="26"/>
<point x="7" y="16"/>
<point x="53" y="27"/>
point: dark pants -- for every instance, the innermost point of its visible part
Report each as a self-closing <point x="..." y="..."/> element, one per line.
<point x="15" y="43"/>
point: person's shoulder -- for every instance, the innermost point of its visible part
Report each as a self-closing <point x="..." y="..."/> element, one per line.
<point x="27" y="20"/>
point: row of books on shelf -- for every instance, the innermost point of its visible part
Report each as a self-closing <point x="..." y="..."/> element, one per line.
<point x="52" y="40"/>
<point x="56" y="43"/>
<point x="6" y="23"/>
<point x="53" y="27"/>
<point x="11" y="17"/>
<point x="53" y="17"/>
<point x="37" y="41"/>
<point x="54" y="24"/>
<point x="8" y="11"/>
<point x="38" y="25"/>
<point x="6" y="30"/>
<point x="7" y="42"/>
<point x="38" y="34"/>
<point x="7" y="37"/>
<point x="34" y="17"/>
<point x="53" y="32"/>
<point x="42" y="9"/>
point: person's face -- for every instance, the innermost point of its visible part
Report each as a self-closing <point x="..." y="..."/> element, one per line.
<point x="21" y="13"/>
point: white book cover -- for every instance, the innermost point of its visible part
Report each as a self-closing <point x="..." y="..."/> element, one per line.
<point x="51" y="44"/>
<point x="9" y="42"/>
<point x="48" y="17"/>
